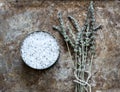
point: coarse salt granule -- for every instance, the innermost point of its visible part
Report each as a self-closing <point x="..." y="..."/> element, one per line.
<point x="39" y="50"/>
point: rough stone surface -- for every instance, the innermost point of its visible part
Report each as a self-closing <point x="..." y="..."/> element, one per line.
<point x="20" y="17"/>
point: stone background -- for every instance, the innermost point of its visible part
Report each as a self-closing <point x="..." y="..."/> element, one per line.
<point x="21" y="17"/>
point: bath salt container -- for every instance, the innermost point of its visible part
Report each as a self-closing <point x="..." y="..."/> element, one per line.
<point x="39" y="50"/>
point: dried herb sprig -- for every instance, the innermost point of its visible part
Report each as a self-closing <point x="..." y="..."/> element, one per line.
<point x="83" y="44"/>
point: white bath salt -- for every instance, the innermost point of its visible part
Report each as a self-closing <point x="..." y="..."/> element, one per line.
<point x="39" y="50"/>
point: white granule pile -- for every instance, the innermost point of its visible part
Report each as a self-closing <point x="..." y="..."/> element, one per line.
<point x="39" y="50"/>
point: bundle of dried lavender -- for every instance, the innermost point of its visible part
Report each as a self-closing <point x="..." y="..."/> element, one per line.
<point x="83" y="44"/>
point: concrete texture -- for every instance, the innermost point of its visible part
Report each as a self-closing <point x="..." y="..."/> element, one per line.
<point x="20" y="17"/>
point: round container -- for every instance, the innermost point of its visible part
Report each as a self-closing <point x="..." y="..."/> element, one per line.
<point x="39" y="50"/>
